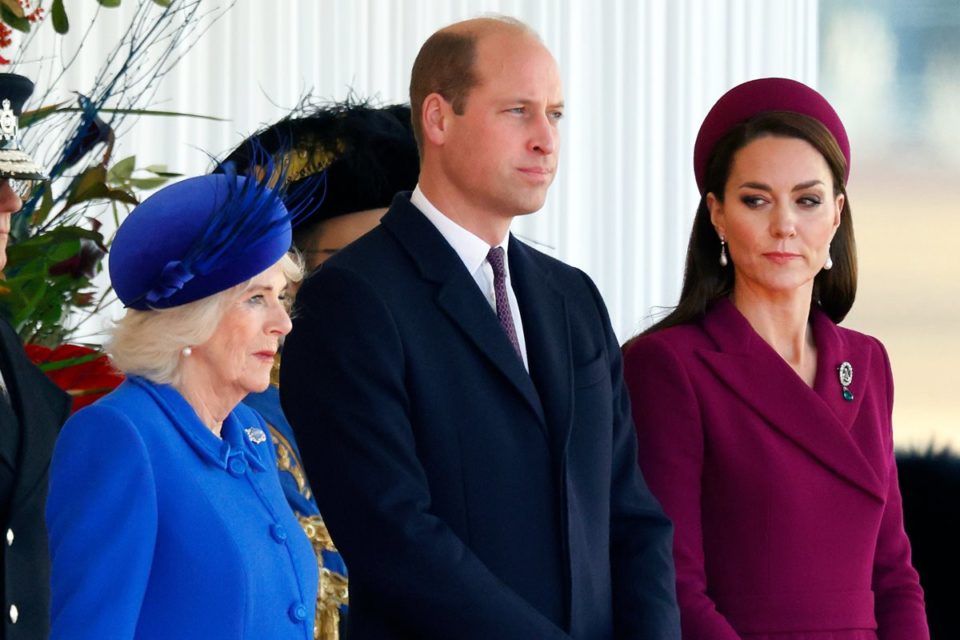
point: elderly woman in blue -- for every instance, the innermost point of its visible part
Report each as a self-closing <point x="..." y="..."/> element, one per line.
<point x="165" y="511"/>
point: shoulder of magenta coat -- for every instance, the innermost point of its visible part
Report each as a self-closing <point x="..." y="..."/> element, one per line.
<point x="723" y="329"/>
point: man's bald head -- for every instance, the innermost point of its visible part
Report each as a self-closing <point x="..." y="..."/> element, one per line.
<point x="446" y="64"/>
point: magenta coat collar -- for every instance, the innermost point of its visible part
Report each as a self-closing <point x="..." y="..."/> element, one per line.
<point x="755" y="372"/>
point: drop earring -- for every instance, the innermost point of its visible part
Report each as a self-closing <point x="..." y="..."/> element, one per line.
<point x="186" y="352"/>
<point x="829" y="263"/>
<point x="723" y="252"/>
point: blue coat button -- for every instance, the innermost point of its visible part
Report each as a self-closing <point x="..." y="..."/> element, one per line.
<point x="237" y="466"/>
<point x="278" y="532"/>
<point x="298" y="612"/>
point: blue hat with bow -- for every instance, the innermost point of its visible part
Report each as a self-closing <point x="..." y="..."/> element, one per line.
<point x="197" y="237"/>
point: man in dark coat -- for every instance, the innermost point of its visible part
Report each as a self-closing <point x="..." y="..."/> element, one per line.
<point x="32" y="409"/>
<point x="479" y="467"/>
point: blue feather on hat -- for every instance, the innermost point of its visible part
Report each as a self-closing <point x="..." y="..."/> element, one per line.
<point x="203" y="235"/>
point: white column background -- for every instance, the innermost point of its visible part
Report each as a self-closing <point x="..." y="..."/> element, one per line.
<point x="638" y="76"/>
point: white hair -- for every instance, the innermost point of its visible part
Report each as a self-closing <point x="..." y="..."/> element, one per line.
<point x="150" y="343"/>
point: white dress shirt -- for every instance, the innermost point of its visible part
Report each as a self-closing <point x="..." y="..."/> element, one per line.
<point x="473" y="252"/>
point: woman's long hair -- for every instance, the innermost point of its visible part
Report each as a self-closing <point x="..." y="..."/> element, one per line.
<point x="705" y="281"/>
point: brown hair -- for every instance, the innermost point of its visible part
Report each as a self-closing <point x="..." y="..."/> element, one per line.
<point x="705" y="281"/>
<point x="446" y="65"/>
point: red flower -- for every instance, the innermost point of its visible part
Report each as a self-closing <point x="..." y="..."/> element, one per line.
<point x="5" y="33"/>
<point x="84" y="373"/>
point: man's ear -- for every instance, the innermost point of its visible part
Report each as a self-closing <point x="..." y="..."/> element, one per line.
<point x="435" y="118"/>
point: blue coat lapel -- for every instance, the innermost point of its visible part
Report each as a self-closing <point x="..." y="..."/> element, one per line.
<point x="458" y="295"/>
<point x="807" y="417"/>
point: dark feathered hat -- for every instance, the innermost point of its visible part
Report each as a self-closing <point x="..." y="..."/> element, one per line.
<point x="368" y="153"/>
<point x="14" y="161"/>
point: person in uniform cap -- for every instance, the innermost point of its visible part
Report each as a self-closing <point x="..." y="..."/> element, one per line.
<point x="765" y="427"/>
<point x="32" y="409"/>
<point x="166" y="515"/>
<point x="367" y="154"/>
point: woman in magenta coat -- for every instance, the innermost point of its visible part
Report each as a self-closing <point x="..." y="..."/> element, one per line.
<point x="764" y="427"/>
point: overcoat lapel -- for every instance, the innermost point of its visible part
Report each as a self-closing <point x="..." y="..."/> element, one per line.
<point x="547" y="334"/>
<point x="41" y="406"/>
<point x="833" y="350"/>
<point x="458" y="295"/>
<point x="760" y="377"/>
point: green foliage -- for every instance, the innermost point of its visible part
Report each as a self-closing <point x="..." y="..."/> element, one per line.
<point x="17" y="21"/>
<point x="59" y="17"/>
<point x="34" y="300"/>
<point x="56" y="247"/>
<point x="12" y="14"/>
<point x="49" y="274"/>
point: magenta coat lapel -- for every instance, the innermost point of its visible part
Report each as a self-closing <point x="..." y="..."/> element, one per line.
<point x="760" y="377"/>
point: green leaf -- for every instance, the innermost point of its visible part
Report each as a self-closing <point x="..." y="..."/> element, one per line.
<point x="109" y="3"/>
<point x="101" y="191"/>
<point x="14" y="7"/>
<point x="162" y="3"/>
<point x="46" y="204"/>
<point x="18" y="22"/>
<point x="69" y="362"/>
<point x="85" y="182"/>
<point x="146" y="184"/>
<point x="148" y="112"/>
<point x="91" y="185"/>
<point x="161" y="170"/>
<point x="59" y="16"/>
<point x="37" y="254"/>
<point x="122" y="169"/>
<point x="28" y="118"/>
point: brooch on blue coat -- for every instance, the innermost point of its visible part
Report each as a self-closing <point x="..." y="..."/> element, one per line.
<point x="845" y="373"/>
<point x="256" y="435"/>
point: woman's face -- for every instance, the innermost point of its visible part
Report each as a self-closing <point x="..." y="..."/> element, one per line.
<point x="778" y="216"/>
<point x="237" y="359"/>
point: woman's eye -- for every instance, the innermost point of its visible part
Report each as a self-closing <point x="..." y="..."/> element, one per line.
<point x="753" y="201"/>
<point x="810" y="201"/>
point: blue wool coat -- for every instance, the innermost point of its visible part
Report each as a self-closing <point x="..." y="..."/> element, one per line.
<point x="292" y="478"/>
<point x="160" y="529"/>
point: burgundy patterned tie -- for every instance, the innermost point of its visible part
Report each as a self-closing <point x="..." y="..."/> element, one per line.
<point x="495" y="258"/>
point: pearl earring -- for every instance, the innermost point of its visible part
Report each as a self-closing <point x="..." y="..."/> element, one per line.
<point x="186" y="351"/>
<point x="829" y="263"/>
<point x="723" y="252"/>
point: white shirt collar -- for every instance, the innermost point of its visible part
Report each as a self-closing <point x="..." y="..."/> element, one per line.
<point x="471" y="248"/>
